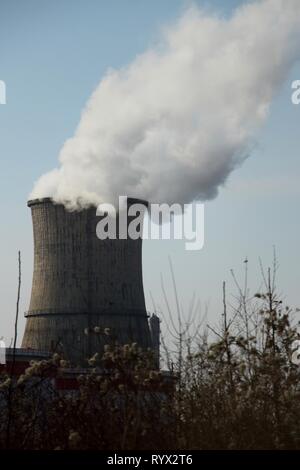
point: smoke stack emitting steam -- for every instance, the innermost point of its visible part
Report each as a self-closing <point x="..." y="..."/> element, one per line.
<point x="169" y="128"/>
<point x="172" y="125"/>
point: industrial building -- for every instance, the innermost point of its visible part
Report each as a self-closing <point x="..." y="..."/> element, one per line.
<point x="86" y="292"/>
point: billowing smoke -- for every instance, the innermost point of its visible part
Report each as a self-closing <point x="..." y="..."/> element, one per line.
<point x="172" y="125"/>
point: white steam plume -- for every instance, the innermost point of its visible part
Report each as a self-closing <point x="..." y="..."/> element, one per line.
<point x="172" y="125"/>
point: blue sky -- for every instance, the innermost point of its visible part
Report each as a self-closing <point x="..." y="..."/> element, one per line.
<point x="52" y="56"/>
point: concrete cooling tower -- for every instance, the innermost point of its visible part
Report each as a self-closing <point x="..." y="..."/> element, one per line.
<point x="81" y="282"/>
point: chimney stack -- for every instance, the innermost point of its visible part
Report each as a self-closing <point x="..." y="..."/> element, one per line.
<point x="81" y="282"/>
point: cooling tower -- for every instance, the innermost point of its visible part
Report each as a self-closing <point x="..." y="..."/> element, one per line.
<point x="81" y="282"/>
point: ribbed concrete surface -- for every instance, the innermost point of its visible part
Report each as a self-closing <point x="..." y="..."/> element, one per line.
<point x="80" y="282"/>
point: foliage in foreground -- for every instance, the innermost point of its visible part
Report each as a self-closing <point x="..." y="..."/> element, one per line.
<point x="234" y="387"/>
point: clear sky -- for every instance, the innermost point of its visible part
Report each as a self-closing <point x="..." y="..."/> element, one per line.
<point x="52" y="56"/>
